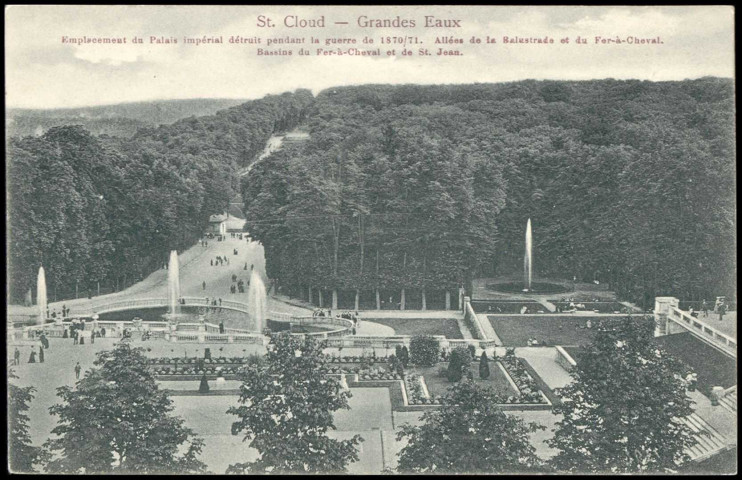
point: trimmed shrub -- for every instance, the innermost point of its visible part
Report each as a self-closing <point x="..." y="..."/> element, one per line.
<point x="458" y="364"/>
<point x="204" y="385"/>
<point x="404" y="356"/>
<point x="484" y="368"/>
<point x="424" y="350"/>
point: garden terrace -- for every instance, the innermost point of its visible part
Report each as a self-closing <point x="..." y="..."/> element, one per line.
<point x="567" y="329"/>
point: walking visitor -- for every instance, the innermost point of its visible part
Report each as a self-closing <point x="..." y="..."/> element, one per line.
<point x="32" y="358"/>
<point x="77" y="370"/>
<point x="41" y="354"/>
<point x="17" y="357"/>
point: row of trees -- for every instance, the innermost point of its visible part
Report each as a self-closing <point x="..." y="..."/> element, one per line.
<point x="627" y="182"/>
<point x="107" y="210"/>
<point x="621" y="414"/>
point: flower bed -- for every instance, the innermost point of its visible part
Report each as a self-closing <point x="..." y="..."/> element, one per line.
<point x="416" y="395"/>
<point x="529" y="391"/>
<point x="219" y="370"/>
<point x="196" y="360"/>
<point x="356" y="359"/>
<point x="377" y="373"/>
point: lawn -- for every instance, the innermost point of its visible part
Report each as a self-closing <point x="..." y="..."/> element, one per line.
<point x="438" y="384"/>
<point x="447" y="327"/>
<point x="516" y="330"/>
<point x="510" y="306"/>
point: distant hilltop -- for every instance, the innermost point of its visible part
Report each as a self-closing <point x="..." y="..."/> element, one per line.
<point x="120" y="120"/>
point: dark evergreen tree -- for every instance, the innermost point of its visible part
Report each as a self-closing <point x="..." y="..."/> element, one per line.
<point x="484" y="367"/>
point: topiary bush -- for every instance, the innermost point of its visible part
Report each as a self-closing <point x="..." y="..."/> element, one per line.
<point x="458" y="364"/>
<point x="484" y="368"/>
<point x="404" y="356"/>
<point x="204" y="385"/>
<point x="424" y="350"/>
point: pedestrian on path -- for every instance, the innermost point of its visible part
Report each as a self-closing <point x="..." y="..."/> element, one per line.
<point x="44" y="341"/>
<point x="32" y="358"/>
<point x="204" y="285"/>
<point x="75" y="337"/>
<point x="92" y="337"/>
<point x="77" y="370"/>
<point x="41" y="354"/>
<point x="705" y="308"/>
<point x="220" y="302"/>
<point x="16" y="357"/>
<point x="722" y="311"/>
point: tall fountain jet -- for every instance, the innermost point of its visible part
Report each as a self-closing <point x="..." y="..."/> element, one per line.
<point x="257" y="301"/>
<point x="173" y="284"/>
<point x="528" y="259"/>
<point x="41" y="295"/>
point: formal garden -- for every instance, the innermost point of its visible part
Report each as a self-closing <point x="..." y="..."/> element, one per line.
<point x="420" y="375"/>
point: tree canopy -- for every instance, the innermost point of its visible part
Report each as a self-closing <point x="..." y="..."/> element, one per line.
<point x="117" y="420"/>
<point x="622" y="411"/>
<point x="631" y="183"/>
<point x="109" y="210"/>
<point x="22" y="455"/>
<point x="627" y="182"/>
<point x="286" y="409"/>
<point x="468" y="434"/>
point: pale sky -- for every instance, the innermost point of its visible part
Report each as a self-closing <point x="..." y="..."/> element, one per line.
<point x="44" y="72"/>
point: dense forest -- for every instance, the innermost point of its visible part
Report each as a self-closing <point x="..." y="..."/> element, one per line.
<point x="424" y="187"/>
<point x="106" y="210"/>
<point x="403" y="188"/>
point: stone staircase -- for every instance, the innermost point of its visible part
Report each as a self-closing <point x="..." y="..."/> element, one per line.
<point x="729" y="401"/>
<point x="709" y="443"/>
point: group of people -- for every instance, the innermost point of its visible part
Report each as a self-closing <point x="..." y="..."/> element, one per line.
<point x="215" y="302"/>
<point x="219" y="260"/>
<point x="76" y="329"/>
<point x="236" y="235"/>
<point x="348" y="315"/>
<point x="53" y="314"/>
<point x="204" y="243"/>
<point x="720" y="307"/>
<point x="32" y="359"/>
